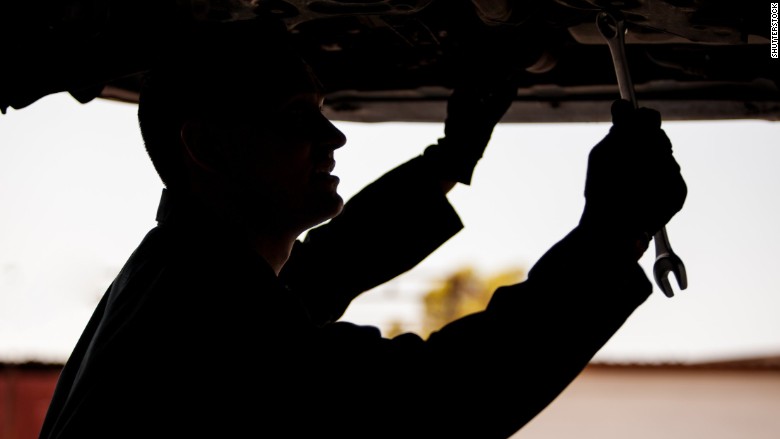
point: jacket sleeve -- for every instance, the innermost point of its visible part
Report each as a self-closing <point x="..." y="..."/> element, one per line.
<point x="488" y="374"/>
<point x="383" y="231"/>
<point x="535" y="337"/>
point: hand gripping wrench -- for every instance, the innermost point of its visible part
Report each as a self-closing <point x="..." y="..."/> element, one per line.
<point x="613" y="29"/>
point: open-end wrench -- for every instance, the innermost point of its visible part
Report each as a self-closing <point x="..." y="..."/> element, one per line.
<point x="613" y="29"/>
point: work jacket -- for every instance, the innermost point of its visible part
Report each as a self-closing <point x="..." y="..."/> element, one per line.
<point x="197" y="336"/>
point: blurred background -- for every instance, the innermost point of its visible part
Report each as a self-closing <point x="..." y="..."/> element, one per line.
<point x="78" y="193"/>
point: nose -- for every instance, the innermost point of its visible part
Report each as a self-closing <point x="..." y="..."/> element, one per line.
<point x="329" y="136"/>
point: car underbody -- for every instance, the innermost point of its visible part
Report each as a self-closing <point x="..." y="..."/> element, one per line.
<point x="398" y="60"/>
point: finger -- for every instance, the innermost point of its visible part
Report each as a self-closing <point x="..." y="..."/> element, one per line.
<point x="647" y="118"/>
<point x="621" y="111"/>
<point x="624" y="114"/>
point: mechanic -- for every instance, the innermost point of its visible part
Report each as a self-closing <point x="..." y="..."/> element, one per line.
<point x="224" y="323"/>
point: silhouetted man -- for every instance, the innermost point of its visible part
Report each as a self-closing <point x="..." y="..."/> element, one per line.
<point x="223" y="324"/>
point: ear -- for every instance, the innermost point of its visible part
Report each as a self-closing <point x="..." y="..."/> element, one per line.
<point x="202" y="148"/>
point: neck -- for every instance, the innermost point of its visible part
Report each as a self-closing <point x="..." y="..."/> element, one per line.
<point x="272" y="243"/>
<point x="263" y="233"/>
<point x="273" y="248"/>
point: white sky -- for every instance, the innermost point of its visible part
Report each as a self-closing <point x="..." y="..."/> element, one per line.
<point x="78" y="193"/>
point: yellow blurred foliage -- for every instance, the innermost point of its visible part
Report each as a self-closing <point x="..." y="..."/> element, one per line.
<point x="463" y="292"/>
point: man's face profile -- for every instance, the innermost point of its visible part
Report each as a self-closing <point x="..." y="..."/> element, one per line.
<point x="235" y="116"/>
<point x="279" y="147"/>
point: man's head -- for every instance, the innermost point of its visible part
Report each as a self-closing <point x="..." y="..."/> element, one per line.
<point x="237" y="115"/>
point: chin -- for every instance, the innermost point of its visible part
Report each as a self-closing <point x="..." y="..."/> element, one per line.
<point x="325" y="209"/>
<point x="334" y="208"/>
